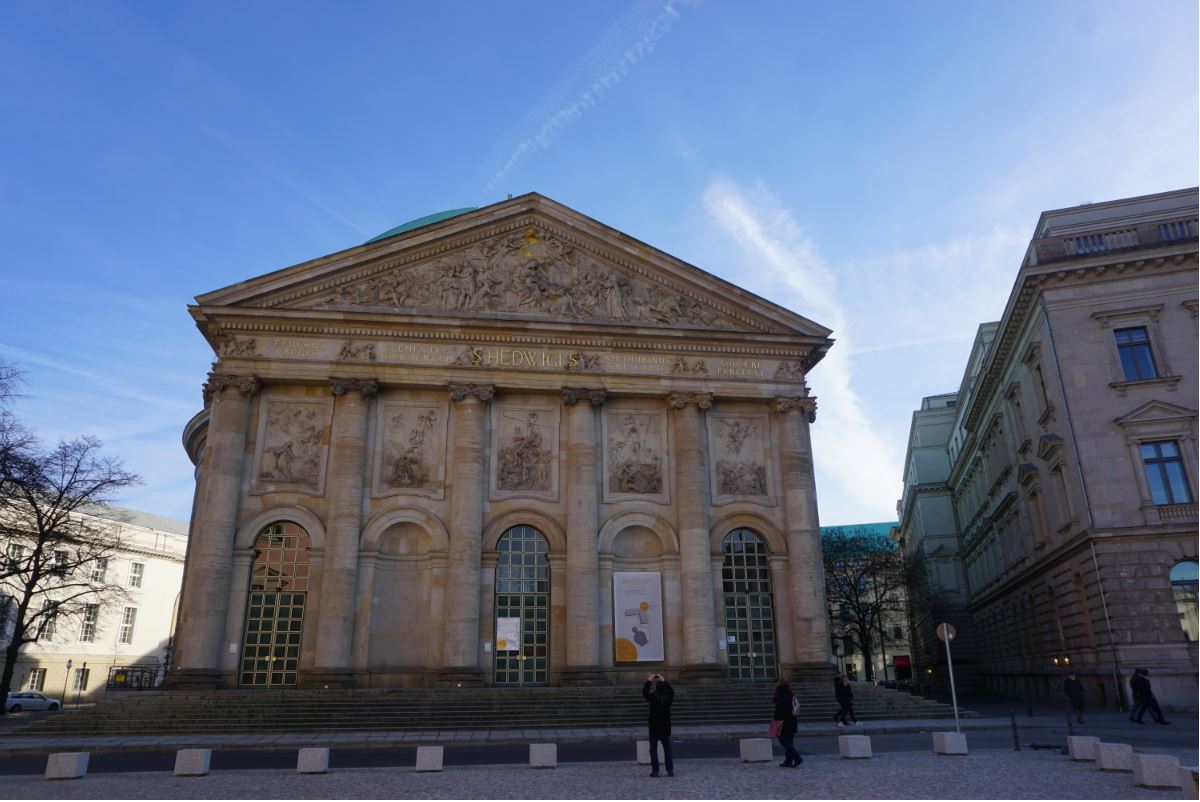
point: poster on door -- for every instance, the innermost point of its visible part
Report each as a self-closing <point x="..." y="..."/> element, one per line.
<point x="508" y="634"/>
<point x="637" y="617"/>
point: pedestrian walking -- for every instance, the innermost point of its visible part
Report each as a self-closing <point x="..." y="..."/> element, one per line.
<point x="845" y="700"/>
<point x="1143" y="698"/>
<point x="1073" y="690"/>
<point x="659" y="694"/>
<point x="785" y="715"/>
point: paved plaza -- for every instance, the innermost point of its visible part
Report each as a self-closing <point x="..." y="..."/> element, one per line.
<point x="982" y="775"/>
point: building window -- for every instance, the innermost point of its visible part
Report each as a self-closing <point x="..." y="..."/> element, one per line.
<point x="87" y="630"/>
<point x="1164" y="473"/>
<point x="897" y="633"/>
<point x="1183" y="585"/>
<point x="61" y="558"/>
<point x="81" y="679"/>
<point x="99" y="570"/>
<point x="45" y="627"/>
<point x="136" y="570"/>
<point x="37" y="679"/>
<point x="127" y="622"/>
<point x="16" y="554"/>
<point x="1137" y="358"/>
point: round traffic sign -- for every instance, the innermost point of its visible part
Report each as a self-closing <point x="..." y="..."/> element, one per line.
<point x="946" y="632"/>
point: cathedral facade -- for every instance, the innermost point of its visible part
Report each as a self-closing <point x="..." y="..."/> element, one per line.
<point x="505" y="446"/>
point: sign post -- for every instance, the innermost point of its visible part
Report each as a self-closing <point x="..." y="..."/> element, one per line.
<point x="946" y="633"/>
<point x="67" y="677"/>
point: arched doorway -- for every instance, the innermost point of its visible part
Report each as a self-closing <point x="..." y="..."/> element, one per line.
<point x="749" y="610"/>
<point x="275" y="607"/>
<point x="522" y="608"/>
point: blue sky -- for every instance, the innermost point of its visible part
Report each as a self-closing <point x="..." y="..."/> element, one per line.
<point x="877" y="167"/>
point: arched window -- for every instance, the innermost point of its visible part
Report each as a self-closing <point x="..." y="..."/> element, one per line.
<point x="749" y="609"/>
<point x="522" y="646"/>
<point x="275" y="607"/>
<point x="1183" y="583"/>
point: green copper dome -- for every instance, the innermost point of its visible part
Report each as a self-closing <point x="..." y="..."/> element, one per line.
<point x="420" y="222"/>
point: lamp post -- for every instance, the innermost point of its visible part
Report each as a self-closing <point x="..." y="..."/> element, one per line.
<point x="66" y="677"/>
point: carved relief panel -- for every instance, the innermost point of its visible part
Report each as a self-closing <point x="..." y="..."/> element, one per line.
<point x="410" y="449"/>
<point x="525" y="448"/>
<point x="292" y="446"/>
<point x="635" y="454"/>
<point x="740" y="457"/>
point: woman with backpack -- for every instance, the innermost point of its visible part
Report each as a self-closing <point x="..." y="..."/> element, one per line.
<point x="784" y="725"/>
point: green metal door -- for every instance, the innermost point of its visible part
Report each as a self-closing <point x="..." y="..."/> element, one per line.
<point x="523" y="594"/>
<point x="275" y="608"/>
<point x="749" y="609"/>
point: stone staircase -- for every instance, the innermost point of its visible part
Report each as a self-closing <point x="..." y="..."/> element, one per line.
<point x="236" y="711"/>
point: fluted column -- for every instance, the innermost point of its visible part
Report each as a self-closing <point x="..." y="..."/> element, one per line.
<point x="461" y="653"/>
<point x="205" y="604"/>
<point x="691" y="498"/>
<point x="583" y="506"/>
<point x="806" y="571"/>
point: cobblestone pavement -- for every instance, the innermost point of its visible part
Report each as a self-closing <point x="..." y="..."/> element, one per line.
<point x="982" y="775"/>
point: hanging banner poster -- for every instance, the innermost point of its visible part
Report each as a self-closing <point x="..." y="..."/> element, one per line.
<point x="508" y="634"/>
<point x="637" y="617"/>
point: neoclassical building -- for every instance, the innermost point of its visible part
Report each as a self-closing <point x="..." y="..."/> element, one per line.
<point x="505" y="445"/>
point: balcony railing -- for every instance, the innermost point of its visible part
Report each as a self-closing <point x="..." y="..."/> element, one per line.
<point x="1177" y="512"/>
<point x="1116" y="241"/>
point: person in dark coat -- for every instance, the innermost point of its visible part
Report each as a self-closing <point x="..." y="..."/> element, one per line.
<point x="845" y="700"/>
<point x="787" y="733"/>
<point x="1073" y="690"/>
<point x="659" y="694"/>
<point x="1143" y="698"/>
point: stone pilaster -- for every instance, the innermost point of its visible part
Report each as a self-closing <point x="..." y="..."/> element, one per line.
<point x="811" y="656"/>
<point x="461" y="646"/>
<point x="334" y="664"/>
<point x="205" y="603"/>
<point x="695" y="552"/>
<point x="583" y="506"/>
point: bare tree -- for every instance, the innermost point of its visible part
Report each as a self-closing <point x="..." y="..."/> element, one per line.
<point x="56" y="542"/>
<point x="864" y="577"/>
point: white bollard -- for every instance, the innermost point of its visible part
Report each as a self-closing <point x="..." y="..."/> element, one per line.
<point x="67" y="765"/>
<point x="949" y="743"/>
<point x="643" y="753"/>
<point x="1156" y="771"/>
<point x="854" y="746"/>
<point x="1114" y="757"/>
<point x="1188" y="776"/>
<point x="755" y="750"/>
<point x="192" y="762"/>
<point x="313" y="760"/>
<point x="543" y="756"/>
<point x="429" y="758"/>
<point x="1082" y="747"/>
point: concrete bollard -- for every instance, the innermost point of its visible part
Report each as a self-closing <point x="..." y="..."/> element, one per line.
<point x="192" y="762"/>
<point x="1082" y="747"/>
<point x="1188" y="776"/>
<point x="854" y="746"/>
<point x="67" y="765"/>
<point x="313" y="760"/>
<point x="1114" y="757"/>
<point x="755" y="750"/>
<point x="543" y="756"/>
<point x="949" y="743"/>
<point x="643" y="753"/>
<point x="429" y="758"/>
<point x="1156" y="771"/>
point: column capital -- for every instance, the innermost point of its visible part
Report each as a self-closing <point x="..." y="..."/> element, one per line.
<point x="573" y="395"/>
<point x="248" y="385"/>
<point x="482" y="392"/>
<point x="807" y="404"/>
<point x="681" y="400"/>
<point x="364" y="387"/>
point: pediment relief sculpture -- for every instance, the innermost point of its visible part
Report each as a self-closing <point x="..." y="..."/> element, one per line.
<point x="532" y="272"/>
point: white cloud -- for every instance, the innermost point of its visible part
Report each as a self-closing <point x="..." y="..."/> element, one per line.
<point x="848" y="448"/>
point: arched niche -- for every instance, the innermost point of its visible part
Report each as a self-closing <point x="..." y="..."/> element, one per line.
<point x="775" y="540"/>
<point x="637" y="542"/>
<point x="640" y="522"/>
<point x="248" y="533"/>
<point x="402" y="527"/>
<point x="556" y="538"/>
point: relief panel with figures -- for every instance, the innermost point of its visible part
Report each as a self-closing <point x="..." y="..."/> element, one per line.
<point x="525" y="451"/>
<point x="739" y="457"/>
<point x="411" y="449"/>
<point x="292" y="446"/>
<point x="635" y="454"/>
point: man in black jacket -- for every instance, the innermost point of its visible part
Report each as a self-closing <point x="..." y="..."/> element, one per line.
<point x="1143" y="698"/>
<point x="1073" y="690"/>
<point x="659" y="694"/>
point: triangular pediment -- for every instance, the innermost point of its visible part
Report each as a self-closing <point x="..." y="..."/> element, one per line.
<point x="525" y="259"/>
<point x="1156" y="411"/>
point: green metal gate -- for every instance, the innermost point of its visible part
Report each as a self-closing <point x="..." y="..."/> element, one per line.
<point x="275" y="608"/>
<point x="749" y="609"/>
<point x="523" y="593"/>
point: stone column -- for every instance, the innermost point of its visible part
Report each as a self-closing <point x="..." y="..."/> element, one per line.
<point x="205" y="604"/>
<point x="812" y="658"/>
<point x="364" y="607"/>
<point x="695" y="552"/>
<point x="334" y="663"/>
<point x="583" y="506"/>
<point x="605" y="613"/>
<point x="785" y="644"/>
<point x="461" y="651"/>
